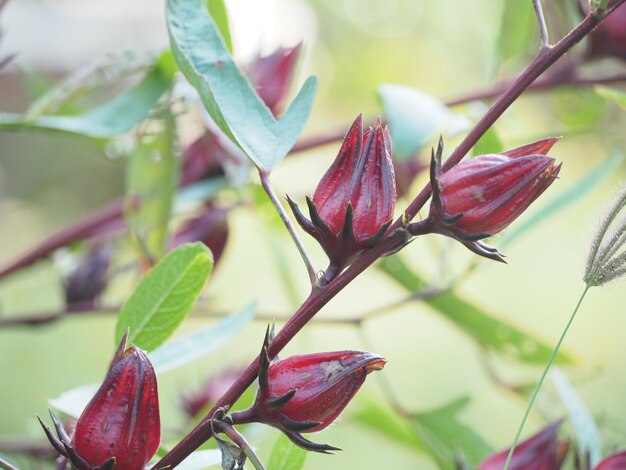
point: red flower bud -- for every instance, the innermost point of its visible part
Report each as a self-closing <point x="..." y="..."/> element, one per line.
<point x="609" y="38"/>
<point x="201" y="159"/>
<point x="543" y="451"/>
<point x="271" y="75"/>
<point x="120" y="427"/>
<point x="483" y="195"/>
<point x="354" y="201"/>
<point x="305" y="393"/>
<point x="616" y="461"/>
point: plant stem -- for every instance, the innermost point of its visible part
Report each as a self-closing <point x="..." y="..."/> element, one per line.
<point x="543" y="28"/>
<point x="542" y="378"/>
<point x="318" y="298"/>
<point x="265" y="181"/>
<point x="6" y="465"/>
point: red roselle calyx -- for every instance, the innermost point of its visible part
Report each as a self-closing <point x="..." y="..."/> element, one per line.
<point x="306" y="393"/>
<point x="353" y="203"/>
<point x="120" y="427"/>
<point x="616" y="461"/>
<point x="483" y="195"/>
<point x="543" y="451"/>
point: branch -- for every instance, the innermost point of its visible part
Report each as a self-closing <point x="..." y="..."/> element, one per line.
<point x="543" y="28"/>
<point x="320" y="297"/>
<point x="265" y="181"/>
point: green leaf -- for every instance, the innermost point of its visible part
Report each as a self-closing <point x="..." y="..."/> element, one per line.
<point x="446" y="438"/>
<point x="385" y="421"/>
<point x="217" y="9"/>
<point x="194" y="345"/>
<point x="584" y="426"/>
<point x="517" y="29"/>
<point x="415" y="118"/>
<point x="488" y="331"/>
<point x="438" y="432"/>
<point x="226" y="93"/>
<point x="201" y="459"/>
<point x="116" y="116"/>
<point x="489" y="143"/>
<point x="152" y="179"/>
<point x="73" y="401"/>
<point x="618" y="96"/>
<point x="581" y="187"/>
<point x="165" y="296"/>
<point x="286" y="455"/>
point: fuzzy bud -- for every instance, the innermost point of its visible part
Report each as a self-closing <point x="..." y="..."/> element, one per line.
<point x="616" y="461"/>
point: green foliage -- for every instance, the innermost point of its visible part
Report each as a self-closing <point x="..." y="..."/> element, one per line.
<point x="416" y="117"/>
<point x="446" y="438"/>
<point x="517" y="30"/>
<point x="165" y="296"/>
<point x="200" y="343"/>
<point x="489" y="143"/>
<point x="151" y="180"/>
<point x="438" y="433"/>
<point x="618" y="96"/>
<point x="114" y="117"/>
<point x="226" y="93"/>
<point x="587" y="435"/>
<point x="286" y="455"/>
<point x="483" y="327"/>
<point x="218" y="12"/>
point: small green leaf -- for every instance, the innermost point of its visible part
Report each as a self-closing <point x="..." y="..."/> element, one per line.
<point x="385" y="421"/>
<point x="617" y="96"/>
<point x="165" y="296"/>
<point x="517" y="29"/>
<point x="116" y="116"/>
<point x="586" y="431"/>
<point x="581" y="187"/>
<point x="446" y="438"/>
<point x="217" y="9"/>
<point x="199" y="343"/>
<point x="483" y="327"/>
<point x="152" y="179"/>
<point x="201" y="459"/>
<point x="489" y="143"/>
<point x="226" y="93"/>
<point x="416" y="117"/>
<point x="286" y="455"/>
<point x="72" y="402"/>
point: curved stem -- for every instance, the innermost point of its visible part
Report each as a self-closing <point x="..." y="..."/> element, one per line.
<point x="265" y="181"/>
<point x="6" y="465"/>
<point x="542" y="378"/>
<point x="396" y="236"/>
<point x="543" y="28"/>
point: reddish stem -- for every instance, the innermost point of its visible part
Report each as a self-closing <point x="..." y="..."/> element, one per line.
<point x="321" y="296"/>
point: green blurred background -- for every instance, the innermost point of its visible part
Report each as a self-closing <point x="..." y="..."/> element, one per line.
<point x="444" y="48"/>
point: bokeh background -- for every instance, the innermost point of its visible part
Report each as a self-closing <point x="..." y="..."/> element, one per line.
<point x="444" y="48"/>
